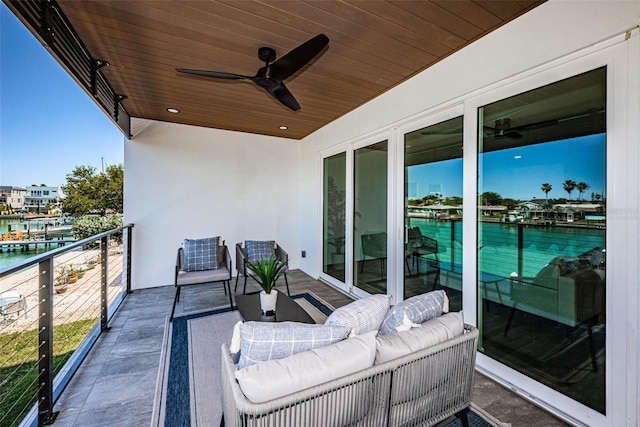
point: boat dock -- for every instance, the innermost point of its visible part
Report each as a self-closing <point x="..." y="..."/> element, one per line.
<point x="24" y="245"/>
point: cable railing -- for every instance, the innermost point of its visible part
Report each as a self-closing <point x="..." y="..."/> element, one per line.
<point x="53" y="307"/>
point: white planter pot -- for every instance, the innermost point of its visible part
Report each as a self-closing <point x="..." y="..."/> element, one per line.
<point x="268" y="301"/>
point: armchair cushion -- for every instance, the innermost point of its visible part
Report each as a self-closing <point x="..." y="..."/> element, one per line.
<point x="262" y="341"/>
<point x="361" y="316"/>
<point x="257" y="250"/>
<point x="186" y="278"/>
<point x="413" y="311"/>
<point x="201" y="254"/>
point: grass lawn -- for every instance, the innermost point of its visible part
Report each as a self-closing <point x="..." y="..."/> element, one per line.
<point x="19" y="366"/>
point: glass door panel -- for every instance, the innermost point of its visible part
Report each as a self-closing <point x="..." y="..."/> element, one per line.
<point x="334" y="214"/>
<point x="433" y="210"/>
<point x="370" y="218"/>
<point x="541" y="234"/>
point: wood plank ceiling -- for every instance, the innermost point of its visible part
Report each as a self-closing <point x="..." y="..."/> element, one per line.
<point x="374" y="46"/>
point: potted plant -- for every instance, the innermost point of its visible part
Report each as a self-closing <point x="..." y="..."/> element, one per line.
<point x="61" y="280"/>
<point x="266" y="274"/>
<point x="91" y="263"/>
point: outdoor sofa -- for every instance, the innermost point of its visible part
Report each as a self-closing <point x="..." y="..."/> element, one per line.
<point x="421" y="387"/>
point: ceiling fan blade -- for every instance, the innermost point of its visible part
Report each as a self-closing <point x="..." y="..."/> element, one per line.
<point x="298" y="57"/>
<point x="214" y="74"/>
<point x="282" y="94"/>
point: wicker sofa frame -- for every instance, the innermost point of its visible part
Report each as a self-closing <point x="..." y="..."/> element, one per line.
<point x="419" y="389"/>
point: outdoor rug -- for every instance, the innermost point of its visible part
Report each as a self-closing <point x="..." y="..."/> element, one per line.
<point x="189" y="376"/>
<point x="187" y="390"/>
<point x="476" y="417"/>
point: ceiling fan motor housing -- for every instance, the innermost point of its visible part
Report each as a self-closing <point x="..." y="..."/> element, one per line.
<point x="266" y="54"/>
<point x="502" y="125"/>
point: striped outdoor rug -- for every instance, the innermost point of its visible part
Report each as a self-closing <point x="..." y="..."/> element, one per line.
<point x="187" y="393"/>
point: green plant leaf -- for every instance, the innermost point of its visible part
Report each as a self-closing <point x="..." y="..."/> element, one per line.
<point x="267" y="272"/>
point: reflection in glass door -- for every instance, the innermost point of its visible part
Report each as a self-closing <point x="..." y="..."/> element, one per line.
<point x="370" y="218"/>
<point x="541" y="234"/>
<point x="334" y="214"/>
<point x="433" y="210"/>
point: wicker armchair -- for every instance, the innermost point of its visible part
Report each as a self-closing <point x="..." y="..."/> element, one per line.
<point x="199" y="277"/>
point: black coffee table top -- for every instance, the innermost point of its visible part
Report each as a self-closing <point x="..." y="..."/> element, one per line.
<point x="287" y="310"/>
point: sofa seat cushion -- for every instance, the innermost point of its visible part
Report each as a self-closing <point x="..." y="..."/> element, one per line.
<point x="361" y="316"/>
<point x="413" y="311"/>
<point x="269" y="380"/>
<point x="195" y="277"/>
<point x="200" y="254"/>
<point x="431" y="332"/>
<point x="262" y="341"/>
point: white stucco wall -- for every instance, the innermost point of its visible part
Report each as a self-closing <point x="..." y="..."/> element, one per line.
<point x="550" y="31"/>
<point x="554" y="33"/>
<point x="189" y="182"/>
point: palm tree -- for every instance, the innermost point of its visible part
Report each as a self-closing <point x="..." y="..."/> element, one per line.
<point x="546" y="187"/>
<point x="582" y="186"/>
<point x="569" y="185"/>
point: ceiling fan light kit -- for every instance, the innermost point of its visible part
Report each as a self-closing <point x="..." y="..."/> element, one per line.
<point x="271" y="77"/>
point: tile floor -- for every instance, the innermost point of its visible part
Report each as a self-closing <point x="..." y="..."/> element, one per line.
<point x="116" y="384"/>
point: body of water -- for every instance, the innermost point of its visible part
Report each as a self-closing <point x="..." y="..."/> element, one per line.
<point x="499" y="248"/>
<point x="9" y="256"/>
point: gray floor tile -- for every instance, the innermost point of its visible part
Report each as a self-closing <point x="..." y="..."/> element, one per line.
<point x="116" y="384"/>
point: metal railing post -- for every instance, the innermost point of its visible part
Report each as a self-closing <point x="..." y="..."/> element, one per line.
<point x="104" y="253"/>
<point x="453" y="240"/>
<point x="46" y="415"/>
<point x="129" y="247"/>
<point x="520" y="248"/>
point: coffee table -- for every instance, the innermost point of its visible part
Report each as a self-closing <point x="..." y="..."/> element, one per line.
<point x="287" y="310"/>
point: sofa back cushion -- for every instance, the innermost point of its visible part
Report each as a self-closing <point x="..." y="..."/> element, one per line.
<point x="595" y="256"/>
<point x="269" y="380"/>
<point x="262" y="341"/>
<point x="431" y="332"/>
<point x="201" y="254"/>
<point x="559" y="266"/>
<point x="413" y="311"/>
<point x="361" y="316"/>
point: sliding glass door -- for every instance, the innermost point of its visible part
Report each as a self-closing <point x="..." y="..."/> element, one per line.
<point x="370" y="218"/>
<point x="334" y="215"/>
<point x="541" y="227"/>
<point x="433" y="210"/>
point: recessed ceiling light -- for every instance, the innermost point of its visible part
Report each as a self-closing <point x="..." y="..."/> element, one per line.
<point x="283" y="127"/>
<point x="173" y="110"/>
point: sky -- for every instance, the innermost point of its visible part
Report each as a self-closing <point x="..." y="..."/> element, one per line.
<point x="518" y="173"/>
<point x="48" y="124"/>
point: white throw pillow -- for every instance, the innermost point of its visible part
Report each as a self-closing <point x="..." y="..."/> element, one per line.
<point x="361" y="316"/>
<point x="269" y="380"/>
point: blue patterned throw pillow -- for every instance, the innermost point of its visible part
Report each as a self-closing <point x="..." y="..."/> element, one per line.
<point x="257" y="250"/>
<point x="361" y="316"/>
<point x="262" y="341"/>
<point x="201" y="254"/>
<point x="413" y="311"/>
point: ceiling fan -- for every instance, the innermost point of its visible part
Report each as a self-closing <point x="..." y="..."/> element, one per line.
<point x="271" y="77"/>
<point x="503" y="128"/>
